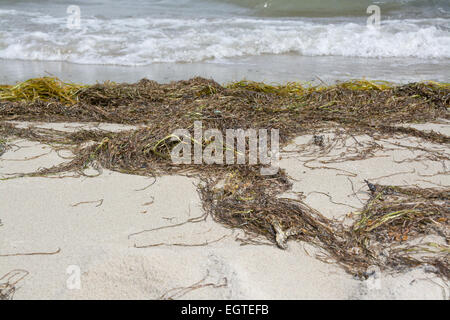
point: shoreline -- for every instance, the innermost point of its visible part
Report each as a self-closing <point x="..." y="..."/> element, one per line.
<point x="265" y="68"/>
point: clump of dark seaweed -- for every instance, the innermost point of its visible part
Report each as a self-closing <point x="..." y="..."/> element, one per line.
<point x="385" y="233"/>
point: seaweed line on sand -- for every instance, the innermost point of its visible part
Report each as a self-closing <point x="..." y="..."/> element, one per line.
<point x="384" y="233"/>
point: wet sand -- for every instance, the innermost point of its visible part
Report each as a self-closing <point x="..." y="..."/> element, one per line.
<point x="268" y="68"/>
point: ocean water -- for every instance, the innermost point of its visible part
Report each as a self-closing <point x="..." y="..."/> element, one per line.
<point x="148" y="32"/>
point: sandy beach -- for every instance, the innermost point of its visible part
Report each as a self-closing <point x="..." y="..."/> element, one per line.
<point x="225" y="149"/>
<point x="129" y="237"/>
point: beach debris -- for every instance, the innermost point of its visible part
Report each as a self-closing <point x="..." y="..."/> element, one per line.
<point x="31" y="253"/>
<point x="44" y="89"/>
<point x="179" y="244"/>
<point x="177" y="293"/>
<point x="384" y="233"/>
<point x="371" y="186"/>
<point x="281" y="236"/>
<point x="3" y="146"/>
<point x="8" y="283"/>
<point x="98" y="202"/>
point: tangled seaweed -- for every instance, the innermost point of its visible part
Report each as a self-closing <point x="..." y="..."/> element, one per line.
<point x="9" y="281"/>
<point x="44" y="89"/>
<point x="390" y="231"/>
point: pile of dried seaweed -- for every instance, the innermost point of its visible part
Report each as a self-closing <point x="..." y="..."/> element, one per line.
<point x="396" y="216"/>
<point x="385" y="233"/>
<point x="390" y="232"/>
<point x="3" y="146"/>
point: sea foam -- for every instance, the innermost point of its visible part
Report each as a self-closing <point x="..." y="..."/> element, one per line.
<point x="147" y="40"/>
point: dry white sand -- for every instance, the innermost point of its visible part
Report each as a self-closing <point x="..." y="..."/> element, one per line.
<point x="90" y="221"/>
